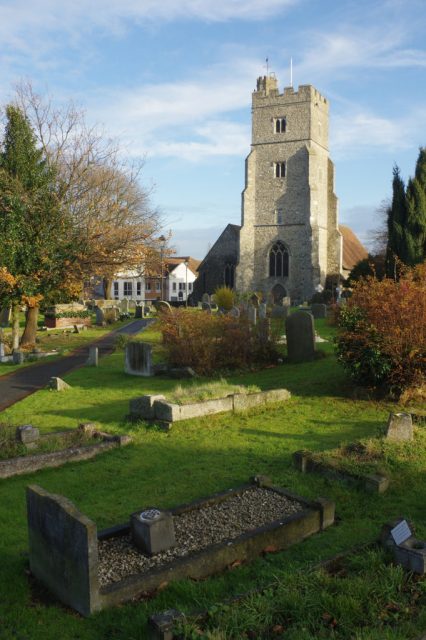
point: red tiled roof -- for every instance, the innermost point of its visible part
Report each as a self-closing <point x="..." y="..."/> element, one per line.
<point x="353" y="250"/>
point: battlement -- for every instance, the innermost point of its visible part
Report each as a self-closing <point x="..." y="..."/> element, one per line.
<point x="267" y="86"/>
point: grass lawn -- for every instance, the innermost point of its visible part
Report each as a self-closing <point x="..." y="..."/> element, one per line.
<point x="195" y="459"/>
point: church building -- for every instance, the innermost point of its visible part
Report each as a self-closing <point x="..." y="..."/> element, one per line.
<point x="289" y="241"/>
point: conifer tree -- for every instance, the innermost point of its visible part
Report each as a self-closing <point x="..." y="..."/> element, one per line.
<point x="416" y="213"/>
<point x="396" y="222"/>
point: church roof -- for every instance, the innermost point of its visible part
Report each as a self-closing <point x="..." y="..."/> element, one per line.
<point x="353" y="250"/>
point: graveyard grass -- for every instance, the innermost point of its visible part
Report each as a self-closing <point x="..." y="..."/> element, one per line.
<point x="195" y="459"/>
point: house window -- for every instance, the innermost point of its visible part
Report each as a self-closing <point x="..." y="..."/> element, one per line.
<point x="174" y="286"/>
<point x="279" y="216"/>
<point x="279" y="169"/>
<point x="128" y="289"/>
<point x="189" y="286"/>
<point x="148" y="286"/>
<point x="115" y="289"/>
<point x="138" y="289"/>
<point x="229" y="275"/>
<point x="158" y="286"/>
<point x="181" y="286"/>
<point x="280" y="125"/>
<point x="278" y="261"/>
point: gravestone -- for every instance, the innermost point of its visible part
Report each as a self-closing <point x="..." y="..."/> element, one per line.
<point x="206" y="306"/>
<point x="132" y="305"/>
<point x="254" y="299"/>
<point x="205" y="298"/>
<point x="262" y="310"/>
<point x="5" y="316"/>
<point x="92" y="360"/>
<point x="18" y="357"/>
<point x="264" y="329"/>
<point x="163" y="306"/>
<point x="57" y="384"/>
<point x="152" y="531"/>
<point x="139" y="311"/>
<point x="279" y="311"/>
<point x="234" y="312"/>
<point x="319" y="310"/>
<point x="100" y="317"/>
<point x="2" y="351"/>
<point x="138" y="359"/>
<point x="300" y="334"/>
<point x="124" y="306"/>
<point x="286" y="301"/>
<point x="399" y="427"/>
<point x="252" y="314"/>
<point x="28" y="435"/>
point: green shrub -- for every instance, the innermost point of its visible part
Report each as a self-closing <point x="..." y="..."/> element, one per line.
<point x="225" y="298"/>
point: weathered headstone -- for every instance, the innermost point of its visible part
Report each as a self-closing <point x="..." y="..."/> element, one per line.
<point x="153" y="531"/>
<point x="139" y="311"/>
<point x="399" y="427"/>
<point x="138" y="359"/>
<point x="234" y="312"/>
<point x="262" y="310"/>
<point x="57" y="384"/>
<point x="279" y="311"/>
<point x="100" y="317"/>
<point x="28" y="435"/>
<point x="92" y="360"/>
<point x="319" y="310"/>
<point x="286" y="301"/>
<point x="252" y="314"/>
<point x="5" y="316"/>
<point x="2" y="351"/>
<point x="206" y="306"/>
<point x="163" y="306"/>
<point x="300" y="334"/>
<point x="124" y="306"/>
<point x="132" y="305"/>
<point x="18" y="357"/>
<point x="205" y="298"/>
<point x="254" y="299"/>
<point x="264" y="329"/>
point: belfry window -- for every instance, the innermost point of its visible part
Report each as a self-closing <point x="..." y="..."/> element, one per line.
<point x="280" y="125"/>
<point x="279" y="169"/>
<point x="279" y="216"/>
<point x="278" y="261"/>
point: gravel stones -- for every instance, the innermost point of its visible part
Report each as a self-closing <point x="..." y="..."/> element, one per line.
<point x="195" y="530"/>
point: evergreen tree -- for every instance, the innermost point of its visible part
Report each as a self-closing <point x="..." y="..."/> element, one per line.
<point x="396" y="222"/>
<point x="416" y="213"/>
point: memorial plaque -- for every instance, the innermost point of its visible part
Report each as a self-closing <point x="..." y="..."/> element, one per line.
<point x="401" y="532"/>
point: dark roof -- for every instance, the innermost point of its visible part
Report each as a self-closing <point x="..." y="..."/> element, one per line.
<point x="235" y="228"/>
<point x="353" y="250"/>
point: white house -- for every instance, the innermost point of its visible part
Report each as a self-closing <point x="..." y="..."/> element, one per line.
<point x="182" y="272"/>
<point x="128" y="284"/>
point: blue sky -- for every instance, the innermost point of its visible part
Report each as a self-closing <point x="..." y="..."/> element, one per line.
<point x="173" y="80"/>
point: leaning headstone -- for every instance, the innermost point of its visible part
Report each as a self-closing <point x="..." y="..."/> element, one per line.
<point x="28" y="435"/>
<point x="18" y="357"/>
<point x="57" y="384"/>
<point x="319" y="310"/>
<point x="400" y="426"/>
<point x="252" y="314"/>
<point x="92" y="360"/>
<point x="205" y="298"/>
<point x="300" y="334"/>
<point x="138" y="359"/>
<point x="5" y="316"/>
<point x="262" y="310"/>
<point x="206" y="306"/>
<point x="100" y="317"/>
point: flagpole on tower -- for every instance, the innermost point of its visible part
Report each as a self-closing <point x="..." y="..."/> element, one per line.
<point x="267" y="67"/>
<point x="291" y="72"/>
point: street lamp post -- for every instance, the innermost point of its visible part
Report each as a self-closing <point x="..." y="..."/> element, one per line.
<point x="162" y="240"/>
<point x="186" y="282"/>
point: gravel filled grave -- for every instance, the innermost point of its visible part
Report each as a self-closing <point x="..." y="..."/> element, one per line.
<point x="195" y="530"/>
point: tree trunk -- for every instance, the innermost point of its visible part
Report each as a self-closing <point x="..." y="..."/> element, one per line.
<point x="15" y="327"/>
<point x="30" y="331"/>
<point x="107" y="282"/>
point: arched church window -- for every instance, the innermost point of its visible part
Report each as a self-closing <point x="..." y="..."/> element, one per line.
<point x="278" y="261"/>
<point x="229" y="275"/>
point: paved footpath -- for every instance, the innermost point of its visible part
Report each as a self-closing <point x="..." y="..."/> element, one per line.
<point x="23" y="382"/>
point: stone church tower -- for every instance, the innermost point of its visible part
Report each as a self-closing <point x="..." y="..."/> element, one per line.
<point x="289" y="238"/>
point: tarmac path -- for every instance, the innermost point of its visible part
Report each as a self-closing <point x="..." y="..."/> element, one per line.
<point x="23" y="382"/>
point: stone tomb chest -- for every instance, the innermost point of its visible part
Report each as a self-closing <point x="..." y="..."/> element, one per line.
<point x="89" y="570"/>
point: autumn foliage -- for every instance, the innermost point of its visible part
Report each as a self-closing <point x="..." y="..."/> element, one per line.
<point x="382" y="342"/>
<point x="210" y="343"/>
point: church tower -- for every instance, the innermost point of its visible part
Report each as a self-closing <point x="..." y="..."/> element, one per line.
<point x="289" y="239"/>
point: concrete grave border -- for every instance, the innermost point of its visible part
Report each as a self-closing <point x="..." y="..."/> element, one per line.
<point x="305" y="462"/>
<point x="155" y="408"/>
<point x="28" y="464"/>
<point x="52" y="519"/>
